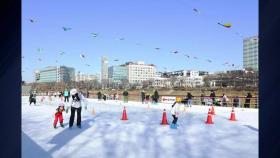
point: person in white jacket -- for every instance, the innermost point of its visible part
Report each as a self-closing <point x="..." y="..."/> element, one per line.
<point x="76" y="105"/>
<point x="175" y="114"/>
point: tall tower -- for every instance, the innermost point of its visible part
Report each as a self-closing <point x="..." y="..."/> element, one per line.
<point x="104" y="71"/>
<point x="251" y="53"/>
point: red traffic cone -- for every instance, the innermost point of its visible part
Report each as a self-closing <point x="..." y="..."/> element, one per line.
<point x="232" y="115"/>
<point x="164" y="118"/>
<point x="209" y="118"/>
<point x="124" y="116"/>
<point x="213" y="110"/>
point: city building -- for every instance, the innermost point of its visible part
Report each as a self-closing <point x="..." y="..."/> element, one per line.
<point x="104" y="70"/>
<point x="85" y="77"/>
<point x="55" y="74"/>
<point x="139" y="71"/>
<point x="251" y="53"/>
<point x="118" y="73"/>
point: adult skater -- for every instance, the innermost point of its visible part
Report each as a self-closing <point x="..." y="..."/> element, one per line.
<point x="143" y="96"/>
<point x="76" y="105"/>
<point x="156" y="96"/>
<point x="189" y="96"/>
<point x="248" y="100"/>
<point x="224" y="100"/>
<point x="66" y="96"/>
<point x="32" y="98"/>
<point x="175" y="115"/>
<point x="213" y="96"/>
<point x="99" y="96"/>
<point x="125" y="96"/>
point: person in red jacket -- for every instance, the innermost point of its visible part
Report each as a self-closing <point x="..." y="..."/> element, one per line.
<point x="59" y="116"/>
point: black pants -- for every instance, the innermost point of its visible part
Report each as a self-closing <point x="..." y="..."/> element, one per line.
<point x="32" y="100"/>
<point x="73" y="110"/>
<point x="156" y="100"/>
<point x="143" y="99"/>
<point x="174" y="119"/>
<point x="66" y="98"/>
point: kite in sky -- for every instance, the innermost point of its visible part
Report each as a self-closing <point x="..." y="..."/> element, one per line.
<point x="66" y="28"/>
<point x="39" y="59"/>
<point x="175" y="51"/>
<point x="94" y="34"/>
<point x="157" y="48"/>
<point x="121" y="39"/>
<point x="196" y="10"/>
<point x="40" y="50"/>
<point x="116" y="60"/>
<point x="31" y="20"/>
<point x="227" y="25"/>
<point x="187" y="55"/>
<point x="210" y="61"/>
<point x="87" y="65"/>
<point x="82" y="56"/>
<point x="195" y="57"/>
<point x="61" y="53"/>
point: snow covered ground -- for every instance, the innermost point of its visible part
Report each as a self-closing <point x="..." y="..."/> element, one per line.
<point x="104" y="135"/>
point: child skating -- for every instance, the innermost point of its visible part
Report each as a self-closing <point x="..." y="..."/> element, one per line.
<point x="59" y="116"/>
<point x="175" y="114"/>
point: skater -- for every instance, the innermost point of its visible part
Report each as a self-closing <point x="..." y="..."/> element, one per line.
<point x="125" y="96"/>
<point x="224" y="100"/>
<point x="99" y="96"/>
<point x="175" y="115"/>
<point x="202" y="99"/>
<point x="58" y="115"/>
<point x="235" y="101"/>
<point x="247" y="100"/>
<point x="147" y="99"/>
<point x="66" y="96"/>
<point x="104" y="97"/>
<point x="143" y="96"/>
<point x="32" y="98"/>
<point x="87" y="94"/>
<point x="212" y="96"/>
<point x="189" y="96"/>
<point x="156" y="96"/>
<point x="76" y="105"/>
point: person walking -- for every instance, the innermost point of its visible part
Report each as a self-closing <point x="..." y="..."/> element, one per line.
<point x="235" y="101"/>
<point x="202" y="99"/>
<point x="213" y="96"/>
<point x="76" y="105"/>
<point x="99" y="96"/>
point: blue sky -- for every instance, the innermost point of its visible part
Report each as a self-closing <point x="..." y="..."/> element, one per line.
<point x="144" y="25"/>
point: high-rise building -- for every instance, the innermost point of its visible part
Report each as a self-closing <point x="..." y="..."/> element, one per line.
<point x="139" y="72"/>
<point x="251" y="53"/>
<point x="104" y="70"/>
<point x="118" y="73"/>
<point x="55" y="74"/>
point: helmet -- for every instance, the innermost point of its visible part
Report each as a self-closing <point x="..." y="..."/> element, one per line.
<point x="73" y="91"/>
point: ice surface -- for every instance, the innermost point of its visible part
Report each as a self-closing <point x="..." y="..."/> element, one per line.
<point x="104" y="135"/>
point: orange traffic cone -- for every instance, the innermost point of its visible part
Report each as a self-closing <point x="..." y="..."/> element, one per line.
<point x="232" y="115"/>
<point x="209" y="118"/>
<point x="164" y="118"/>
<point x="213" y="110"/>
<point x="124" y="116"/>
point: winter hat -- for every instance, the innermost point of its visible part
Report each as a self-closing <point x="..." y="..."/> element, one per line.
<point x="73" y="91"/>
<point x="61" y="104"/>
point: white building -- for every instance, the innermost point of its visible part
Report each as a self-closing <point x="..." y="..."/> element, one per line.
<point x="161" y="82"/>
<point x="85" y="77"/>
<point x="139" y="72"/>
<point x="104" y="70"/>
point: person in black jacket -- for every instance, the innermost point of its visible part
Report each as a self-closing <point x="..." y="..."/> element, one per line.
<point x="235" y="101"/>
<point x="202" y="99"/>
<point x="125" y="96"/>
<point x="247" y="100"/>
<point x="99" y="96"/>
<point x="156" y="96"/>
<point x="189" y="96"/>
<point x="32" y="98"/>
<point x="143" y="96"/>
<point x="212" y="96"/>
